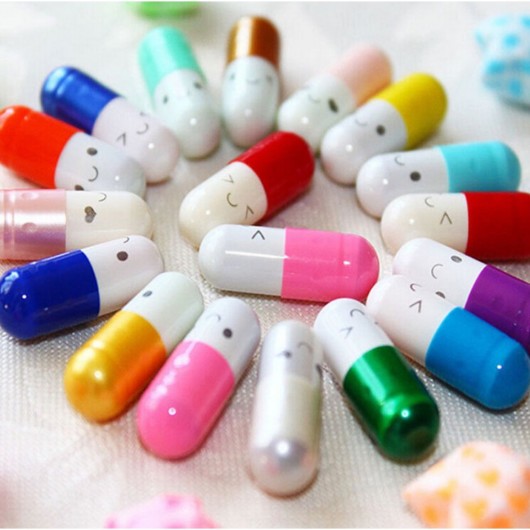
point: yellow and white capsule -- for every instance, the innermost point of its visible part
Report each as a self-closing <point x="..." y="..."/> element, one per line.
<point x="285" y="433"/>
<point x="399" y="117"/>
<point x="112" y="368"/>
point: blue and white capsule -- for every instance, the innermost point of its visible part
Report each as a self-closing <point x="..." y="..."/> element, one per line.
<point x="478" y="166"/>
<point x="179" y="91"/>
<point x="285" y="433"/>
<point x="456" y="346"/>
<point x="74" y="97"/>
<point x="62" y="291"/>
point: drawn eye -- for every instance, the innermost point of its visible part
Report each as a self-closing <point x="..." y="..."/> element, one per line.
<point x="197" y="85"/>
<point x="227" y="332"/>
<point x="269" y="78"/>
<point x="380" y="130"/>
<point x="456" y="259"/>
<point x="415" y="176"/>
<point x="165" y="99"/>
<point x="440" y="294"/>
<point x="147" y="294"/>
<point x="232" y="76"/>
<point x="92" y="151"/>
<point x="122" y="255"/>
<point x="333" y="106"/>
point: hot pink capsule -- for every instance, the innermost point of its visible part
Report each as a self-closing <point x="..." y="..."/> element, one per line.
<point x="182" y="403"/>
<point x="291" y="263"/>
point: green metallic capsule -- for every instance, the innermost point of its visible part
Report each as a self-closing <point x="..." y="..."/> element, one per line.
<point x="387" y="396"/>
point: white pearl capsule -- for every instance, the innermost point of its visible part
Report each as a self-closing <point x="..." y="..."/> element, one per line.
<point x="285" y="433"/>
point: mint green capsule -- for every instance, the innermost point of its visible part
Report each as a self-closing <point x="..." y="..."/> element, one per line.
<point x="389" y="399"/>
<point x="179" y="91"/>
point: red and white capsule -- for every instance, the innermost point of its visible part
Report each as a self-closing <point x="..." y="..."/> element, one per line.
<point x="293" y="263"/>
<point x="37" y="223"/>
<point x="285" y="433"/>
<point x="53" y="154"/>
<point x="251" y="187"/>
<point x="484" y="225"/>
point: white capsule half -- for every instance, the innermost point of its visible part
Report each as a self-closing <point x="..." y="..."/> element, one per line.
<point x="384" y="177"/>
<point x="141" y="136"/>
<point x="442" y="216"/>
<point x="184" y="104"/>
<point x="121" y="267"/>
<point x="87" y="163"/>
<point x="285" y="432"/>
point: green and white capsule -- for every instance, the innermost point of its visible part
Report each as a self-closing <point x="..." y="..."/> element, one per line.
<point x="389" y="399"/>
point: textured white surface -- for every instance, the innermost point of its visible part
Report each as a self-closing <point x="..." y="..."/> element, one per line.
<point x="57" y="470"/>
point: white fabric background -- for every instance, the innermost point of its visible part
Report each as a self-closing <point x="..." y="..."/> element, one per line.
<point x="58" y="470"/>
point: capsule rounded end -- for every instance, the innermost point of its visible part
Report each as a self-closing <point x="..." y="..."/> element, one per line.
<point x="90" y="385"/>
<point x="168" y="430"/>
<point x="283" y="468"/>
<point x="413" y="426"/>
<point x="373" y="186"/>
<point x="50" y="90"/>
<point x="398" y="225"/>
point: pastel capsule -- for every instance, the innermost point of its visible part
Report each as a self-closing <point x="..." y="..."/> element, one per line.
<point x="179" y="408"/>
<point x="456" y="346"/>
<point x="486" y="291"/>
<point x="484" y="225"/>
<point x="479" y="166"/>
<point x="74" y="97"/>
<point x="153" y="9"/>
<point x="362" y="71"/>
<point x="53" y="154"/>
<point x="179" y="91"/>
<point x="109" y="371"/>
<point x="399" y="117"/>
<point x="62" y="291"/>
<point x="38" y="223"/>
<point x="251" y="187"/>
<point x="284" y="438"/>
<point x="291" y="263"/>
<point x="389" y="399"/>
<point x="251" y="87"/>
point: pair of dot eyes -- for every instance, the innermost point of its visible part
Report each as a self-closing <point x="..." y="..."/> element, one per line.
<point x="196" y="85"/>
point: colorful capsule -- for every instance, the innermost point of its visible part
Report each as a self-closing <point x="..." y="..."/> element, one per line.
<point x="74" y="97"/>
<point x="53" y="154"/>
<point x="491" y="294"/>
<point x="38" y="223"/>
<point x="285" y="430"/>
<point x="164" y="9"/>
<point x="484" y="225"/>
<point x="360" y="73"/>
<point x="289" y="262"/>
<point x="180" y="406"/>
<point x="179" y="91"/>
<point x="390" y="400"/>
<point x="456" y="346"/>
<point x="399" y="117"/>
<point x="251" y="187"/>
<point x="107" y="373"/>
<point x="62" y="291"/>
<point x="481" y="166"/>
<point x="251" y="87"/>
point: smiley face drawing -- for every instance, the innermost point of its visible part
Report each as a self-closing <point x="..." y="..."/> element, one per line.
<point x="183" y="102"/>
<point x="250" y="96"/>
<point x="233" y="195"/>
<point x="313" y="109"/>
<point x="442" y="217"/>
<point x="87" y="163"/>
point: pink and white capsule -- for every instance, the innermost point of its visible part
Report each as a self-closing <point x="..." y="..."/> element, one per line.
<point x="327" y="98"/>
<point x="38" y="223"/>
<point x="293" y="263"/>
<point x="179" y="408"/>
<point x="285" y="432"/>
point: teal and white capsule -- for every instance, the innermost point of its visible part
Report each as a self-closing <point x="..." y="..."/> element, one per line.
<point x="285" y="434"/>
<point x="478" y="166"/>
<point x="179" y="91"/>
<point x="390" y="400"/>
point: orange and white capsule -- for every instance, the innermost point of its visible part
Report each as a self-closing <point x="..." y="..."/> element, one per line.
<point x="251" y="86"/>
<point x="111" y="369"/>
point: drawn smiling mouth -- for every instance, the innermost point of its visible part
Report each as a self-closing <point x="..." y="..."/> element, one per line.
<point x="313" y="99"/>
<point x="253" y="81"/>
<point x="360" y="123"/>
<point x="96" y="174"/>
<point x="146" y="125"/>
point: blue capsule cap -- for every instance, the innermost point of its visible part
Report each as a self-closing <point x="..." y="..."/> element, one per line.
<point x="74" y="97"/>
<point x="479" y="360"/>
<point x="481" y="166"/>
